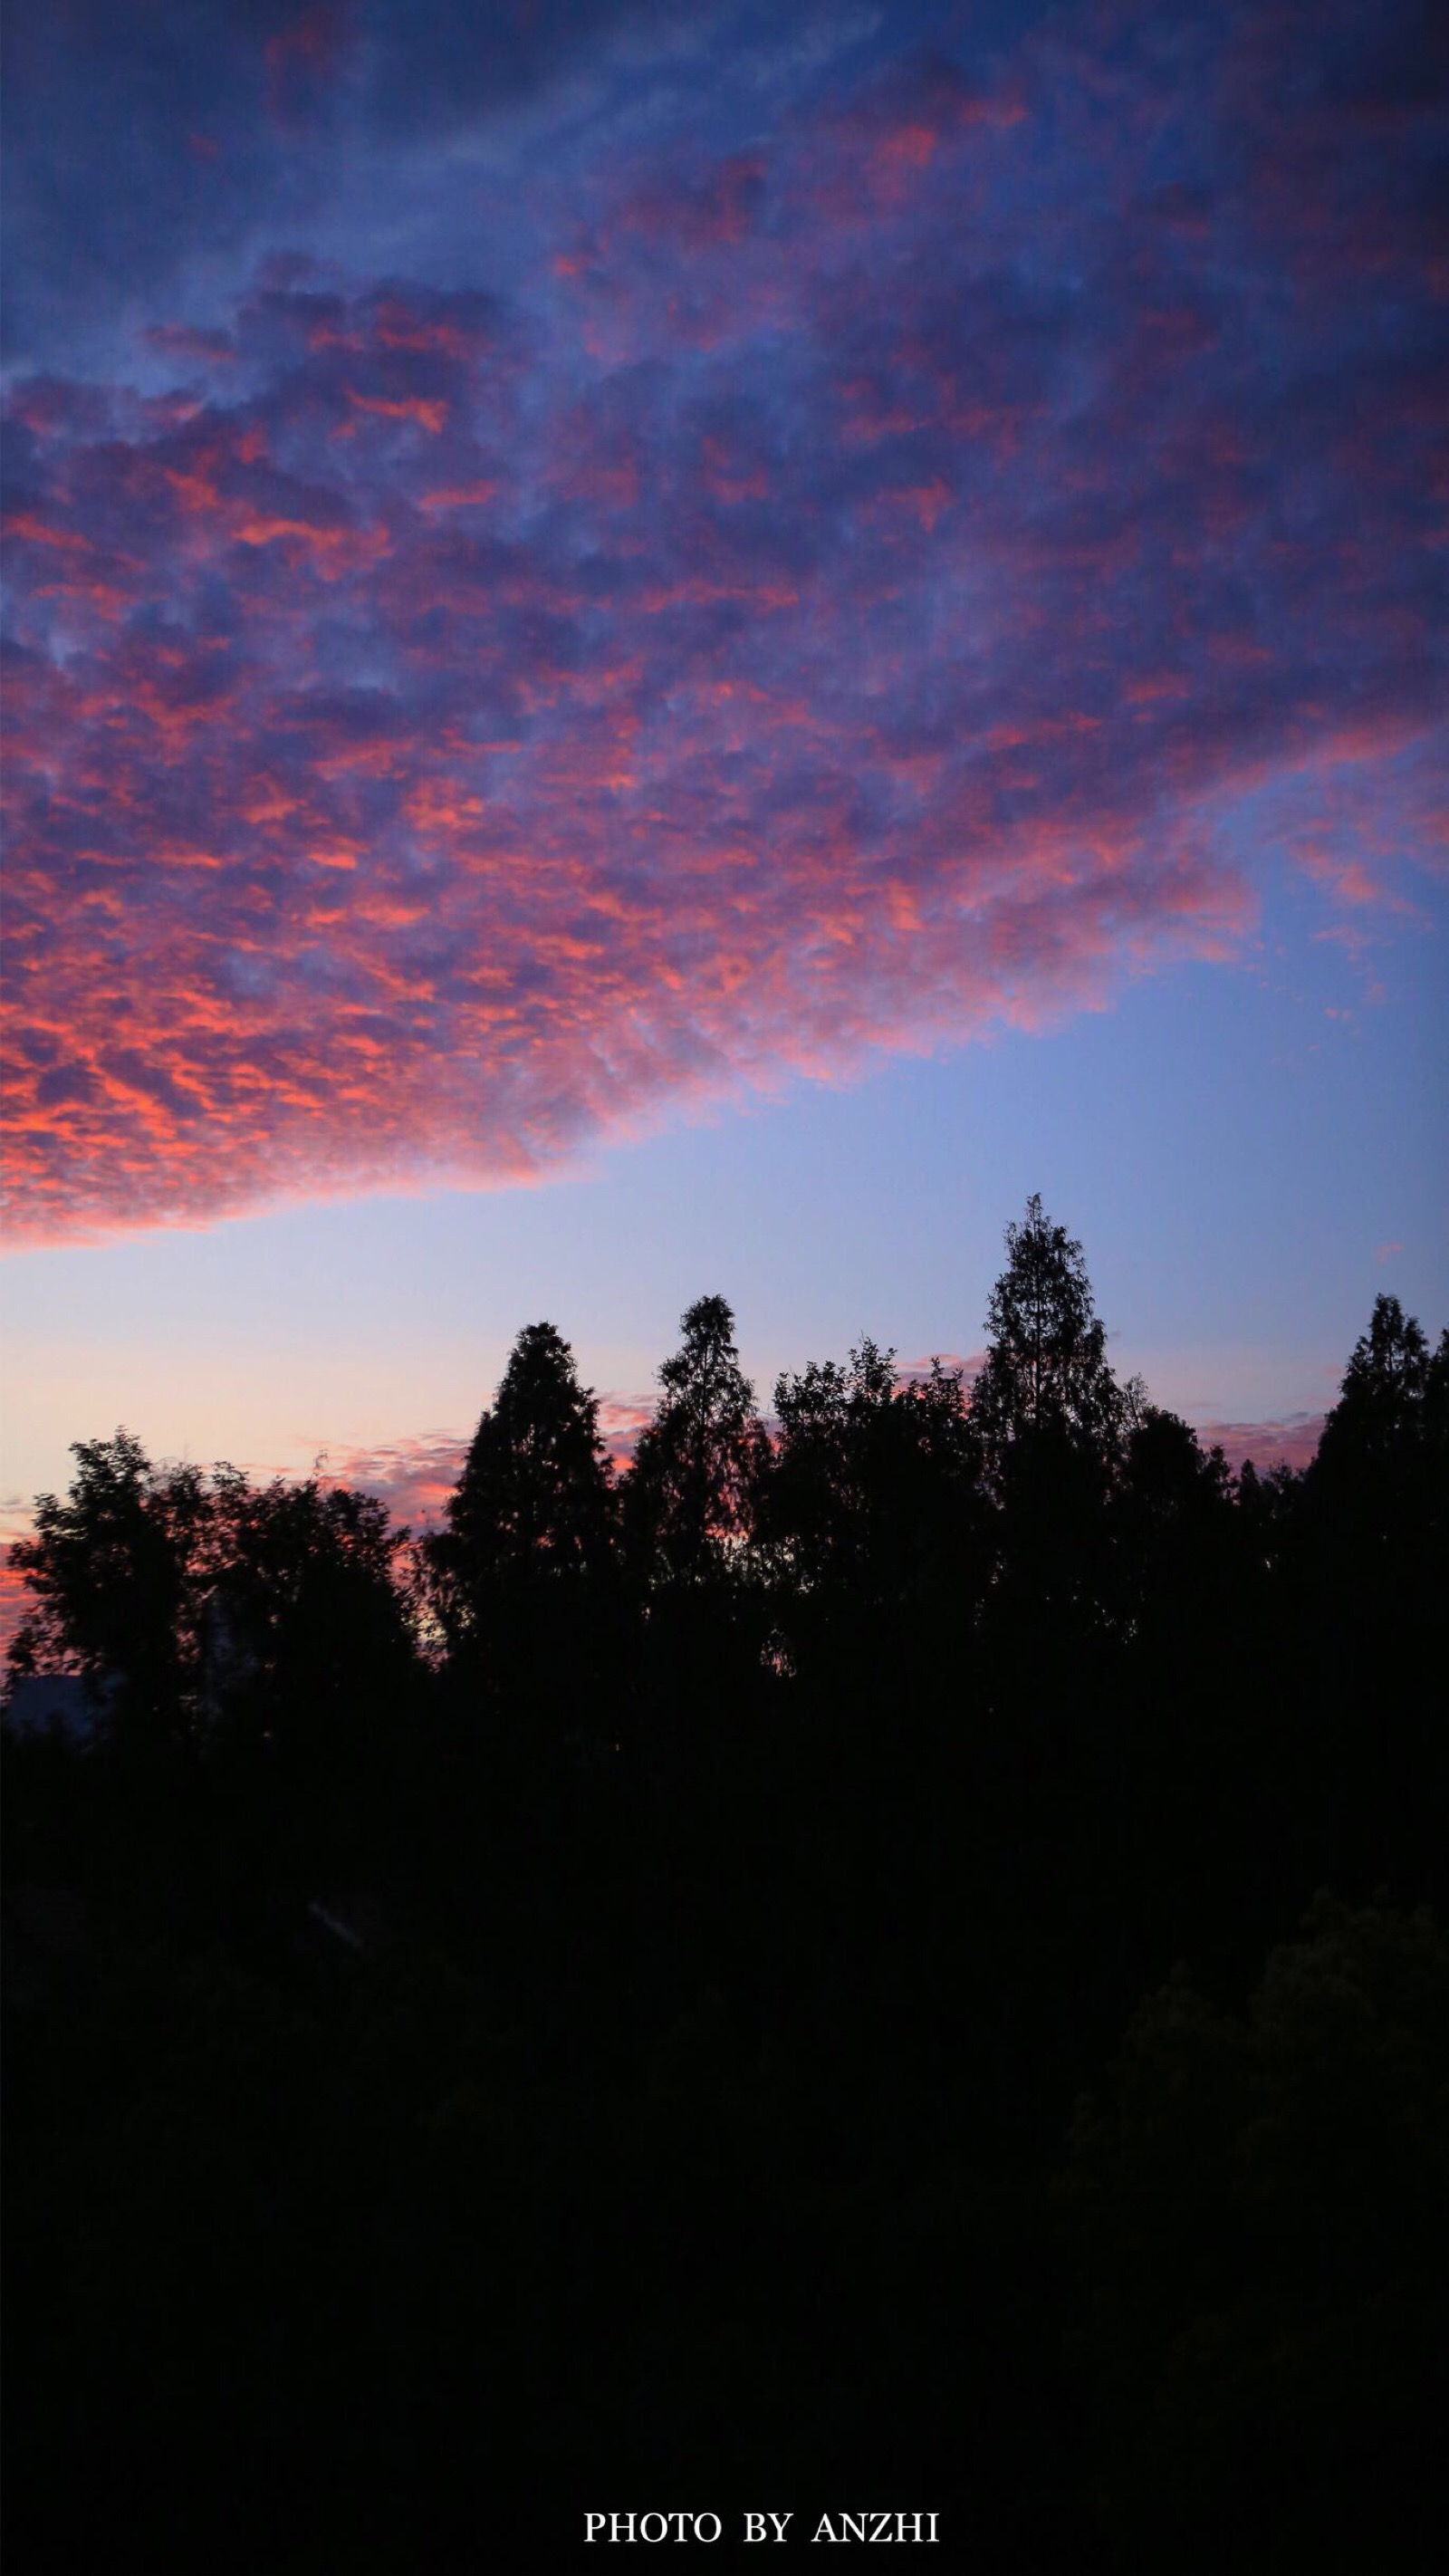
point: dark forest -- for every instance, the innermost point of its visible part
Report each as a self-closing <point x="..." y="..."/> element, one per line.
<point x="885" y="1955"/>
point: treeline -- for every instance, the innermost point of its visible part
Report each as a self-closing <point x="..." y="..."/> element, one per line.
<point x="890" y="1950"/>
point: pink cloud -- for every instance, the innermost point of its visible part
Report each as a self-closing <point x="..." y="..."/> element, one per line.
<point x="415" y="1476"/>
<point x="912" y="1372"/>
<point x="793" y="626"/>
<point x="15" y="1597"/>
<point x="1293" y="1442"/>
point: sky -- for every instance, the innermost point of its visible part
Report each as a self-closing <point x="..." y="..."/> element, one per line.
<point x="660" y="651"/>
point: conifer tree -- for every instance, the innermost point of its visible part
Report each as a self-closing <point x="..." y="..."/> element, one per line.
<point x="533" y="1505"/>
<point x="1046" y="1374"/>
<point x="690" y="1493"/>
<point x="1382" y="1400"/>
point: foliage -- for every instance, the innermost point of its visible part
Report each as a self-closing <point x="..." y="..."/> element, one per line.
<point x="1257" y="2205"/>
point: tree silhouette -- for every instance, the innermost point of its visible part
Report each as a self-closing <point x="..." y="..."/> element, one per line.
<point x="1373" y="1559"/>
<point x="863" y="1501"/>
<point x="1381" y="1402"/>
<point x="689" y="1493"/>
<point x="119" y="1571"/>
<point x="822" y="1494"/>
<point x="1046" y="1370"/>
<point x="1171" y="1512"/>
<point x="306" y="1639"/>
<point x="1383" y="1451"/>
<point x="209" y="1607"/>
<point x="533" y="1508"/>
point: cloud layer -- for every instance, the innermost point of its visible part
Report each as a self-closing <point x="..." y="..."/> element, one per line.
<point x="851" y="562"/>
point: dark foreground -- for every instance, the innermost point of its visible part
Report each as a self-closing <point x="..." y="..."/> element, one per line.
<point x="906" y="1990"/>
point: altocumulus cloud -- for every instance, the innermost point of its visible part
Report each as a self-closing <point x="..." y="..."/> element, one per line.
<point x="836" y="585"/>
